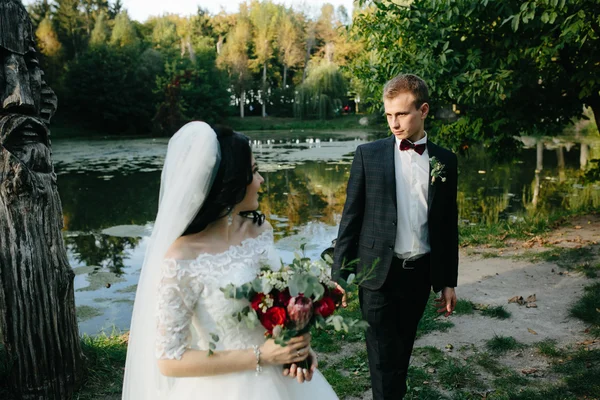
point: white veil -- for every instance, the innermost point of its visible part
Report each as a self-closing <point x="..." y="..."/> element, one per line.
<point x="192" y="161"/>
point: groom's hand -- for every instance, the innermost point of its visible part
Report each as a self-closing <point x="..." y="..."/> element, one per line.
<point x="344" y="295"/>
<point x="447" y="301"/>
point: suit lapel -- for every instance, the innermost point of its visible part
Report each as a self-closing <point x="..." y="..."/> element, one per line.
<point x="432" y="149"/>
<point x="390" y="166"/>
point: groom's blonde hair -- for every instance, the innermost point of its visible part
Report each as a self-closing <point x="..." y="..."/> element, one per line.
<point x="410" y="83"/>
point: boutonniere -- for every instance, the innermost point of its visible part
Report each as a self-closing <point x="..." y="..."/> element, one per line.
<point x="437" y="170"/>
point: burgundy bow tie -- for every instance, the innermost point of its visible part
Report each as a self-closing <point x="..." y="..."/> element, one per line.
<point x="407" y="145"/>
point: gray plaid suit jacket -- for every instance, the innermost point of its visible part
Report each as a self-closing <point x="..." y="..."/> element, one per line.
<point x="368" y="226"/>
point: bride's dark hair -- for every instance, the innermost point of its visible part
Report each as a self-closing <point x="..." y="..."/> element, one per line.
<point x="229" y="186"/>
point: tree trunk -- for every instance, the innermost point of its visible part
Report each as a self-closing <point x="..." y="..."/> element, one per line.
<point x="242" y="103"/>
<point x="560" y="159"/>
<point x="264" y="92"/>
<point x="284" y="76"/>
<point x="220" y="43"/>
<point x="38" y="320"/>
<point x="584" y="154"/>
<point x="594" y="103"/>
<point x="540" y="155"/>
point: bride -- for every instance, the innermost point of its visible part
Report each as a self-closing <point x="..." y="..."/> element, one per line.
<point x="207" y="235"/>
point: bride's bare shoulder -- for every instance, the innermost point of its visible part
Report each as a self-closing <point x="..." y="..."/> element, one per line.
<point x="184" y="248"/>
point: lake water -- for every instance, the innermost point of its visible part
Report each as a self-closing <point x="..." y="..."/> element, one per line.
<point x="109" y="190"/>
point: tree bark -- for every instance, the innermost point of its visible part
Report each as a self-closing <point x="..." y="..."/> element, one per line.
<point x="38" y="322"/>
<point x="264" y="91"/>
<point x="38" y="319"/>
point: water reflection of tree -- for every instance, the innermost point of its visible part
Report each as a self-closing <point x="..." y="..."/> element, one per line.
<point x="92" y="203"/>
<point x="96" y="249"/>
<point x="560" y="185"/>
<point x="484" y="187"/>
<point x="547" y="177"/>
<point x="329" y="181"/>
<point x="311" y="191"/>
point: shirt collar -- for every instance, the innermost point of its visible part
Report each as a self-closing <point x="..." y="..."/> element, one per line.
<point x="422" y="140"/>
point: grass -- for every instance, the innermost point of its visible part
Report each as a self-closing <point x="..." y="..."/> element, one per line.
<point x="455" y="374"/>
<point x="343" y="385"/>
<point x="489" y="363"/>
<point x="589" y="270"/>
<point x="464" y="307"/>
<point x="582" y="372"/>
<point x="104" y="366"/>
<point x="502" y="344"/>
<point x="570" y="259"/>
<point x="587" y="308"/>
<point x="419" y="386"/>
<point x="496" y="312"/>
<point x="495" y="234"/>
<point x="509" y="380"/>
<point x="105" y="363"/>
<point x="548" y="348"/>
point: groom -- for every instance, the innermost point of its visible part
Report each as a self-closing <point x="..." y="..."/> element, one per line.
<point x="401" y="214"/>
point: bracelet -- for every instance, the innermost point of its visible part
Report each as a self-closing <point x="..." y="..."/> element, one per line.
<point x="257" y="355"/>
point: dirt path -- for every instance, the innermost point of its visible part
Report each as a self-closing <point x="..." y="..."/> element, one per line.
<point x="491" y="276"/>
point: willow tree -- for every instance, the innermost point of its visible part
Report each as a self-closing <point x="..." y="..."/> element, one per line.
<point x="322" y="93"/>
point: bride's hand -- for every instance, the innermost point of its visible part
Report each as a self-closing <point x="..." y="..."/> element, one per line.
<point x="303" y="374"/>
<point x="296" y="350"/>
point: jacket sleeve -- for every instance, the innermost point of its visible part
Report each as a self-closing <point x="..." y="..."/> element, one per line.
<point x="352" y="220"/>
<point x="451" y="216"/>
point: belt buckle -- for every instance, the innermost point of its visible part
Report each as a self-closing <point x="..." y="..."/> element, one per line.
<point x="404" y="264"/>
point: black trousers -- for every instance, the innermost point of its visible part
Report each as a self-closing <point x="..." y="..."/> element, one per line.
<point x="393" y="313"/>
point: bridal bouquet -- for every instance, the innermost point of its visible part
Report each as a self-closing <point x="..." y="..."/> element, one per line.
<point x="290" y="301"/>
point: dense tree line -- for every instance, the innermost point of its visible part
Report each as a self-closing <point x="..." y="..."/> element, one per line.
<point x="497" y="69"/>
<point x="116" y="75"/>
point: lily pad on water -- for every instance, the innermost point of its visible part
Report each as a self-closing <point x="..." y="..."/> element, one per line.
<point x="128" y="289"/>
<point x="87" y="312"/>
<point x="88" y="269"/>
<point x="101" y="279"/>
<point x="127" y="301"/>
<point x="127" y="231"/>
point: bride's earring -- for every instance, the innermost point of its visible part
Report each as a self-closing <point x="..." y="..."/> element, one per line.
<point x="229" y="218"/>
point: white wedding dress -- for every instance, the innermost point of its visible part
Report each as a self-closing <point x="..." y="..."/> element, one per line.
<point x="192" y="307"/>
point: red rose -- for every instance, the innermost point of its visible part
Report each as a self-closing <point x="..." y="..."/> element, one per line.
<point x="325" y="307"/>
<point x="283" y="298"/>
<point x="256" y="300"/>
<point x="335" y="294"/>
<point x="273" y="317"/>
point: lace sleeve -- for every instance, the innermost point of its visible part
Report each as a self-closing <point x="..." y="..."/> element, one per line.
<point x="178" y="292"/>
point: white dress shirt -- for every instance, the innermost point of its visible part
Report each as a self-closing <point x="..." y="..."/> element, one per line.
<point x="412" y="187"/>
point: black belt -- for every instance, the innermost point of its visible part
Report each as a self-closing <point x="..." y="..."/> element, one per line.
<point x="407" y="263"/>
